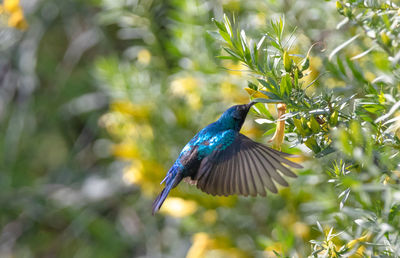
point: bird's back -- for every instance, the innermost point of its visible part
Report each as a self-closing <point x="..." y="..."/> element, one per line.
<point x="208" y="139"/>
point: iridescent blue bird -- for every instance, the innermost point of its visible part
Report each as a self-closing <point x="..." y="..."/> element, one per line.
<point x="220" y="160"/>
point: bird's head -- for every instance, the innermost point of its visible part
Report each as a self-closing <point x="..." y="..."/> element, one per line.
<point x="233" y="117"/>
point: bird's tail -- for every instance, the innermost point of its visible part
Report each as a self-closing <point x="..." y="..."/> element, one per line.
<point x="161" y="198"/>
<point x="172" y="180"/>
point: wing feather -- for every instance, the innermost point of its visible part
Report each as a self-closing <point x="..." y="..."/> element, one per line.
<point x="245" y="167"/>
<point x="262" y="175"/>
<point x="266" y="177"/>
<point x="243" y="183"/>
<point x="268" y="168"/>
<point x="255" y="175"/>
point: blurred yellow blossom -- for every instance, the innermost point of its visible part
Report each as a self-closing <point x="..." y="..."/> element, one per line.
<point x="205" y="246"/>
<point x="201" y="243"/>
<point x="133" y="173"/>
<point x="178" y="207"/>
<point x="301" y="229"/>
<point x="286" y="218"/>
<point x="356" y="242"/>
<point x="187" y="87"/>
<point x="139" y="112"/>
<point x="123" y="126"/>
<point x="194" y="101"/>
<point x="210" y="216"/>
<point x="144" y="173"/>
<point x="144" y="57"/>
<point x="312" y="72"/>
<point x="13" y="11"/>
<point x="369" y="76"/>
<point x="256" y="94"/>
<point x="332" y="83"/>
<point x="234" y="68"/>
<point x="231" y="93"/>
<point x="11" y="5"/>
<point x="125" y="150"/>
<point x="184" y="85"/>
<point x="269" y="251"/>
<point x="260" y="19"/>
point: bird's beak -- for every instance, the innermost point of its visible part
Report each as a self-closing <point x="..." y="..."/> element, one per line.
<point x="250" y="104"/>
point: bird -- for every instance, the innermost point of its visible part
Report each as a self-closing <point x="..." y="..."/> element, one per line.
<point x="219" y="160"/>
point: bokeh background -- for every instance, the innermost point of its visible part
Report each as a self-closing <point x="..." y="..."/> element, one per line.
<point x="98" y="97"/>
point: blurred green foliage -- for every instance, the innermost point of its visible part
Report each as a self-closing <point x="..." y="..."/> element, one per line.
<point x="98" y="97"/>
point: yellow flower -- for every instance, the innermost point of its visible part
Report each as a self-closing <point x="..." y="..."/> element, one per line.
<point x="231" y="93"/>
<point x="123" y="106"/>
<point x="234" y="68"/>
<point x="312" y="72"/>
<point x="17" y="20"/>
<point x="188" y="87"/>
<point x="194" y="101"/>
<point x="360" y="250"/>
<point x="301" y="229"/>
<point x="210" y="216"/>
<point x="332" y="83"/>
<point x="133" y="173"/>
<point x="369" y="76"/>
<point x="277" y="139"/>
<point x="125" y="150"/>
<point x="256" y="94"/>
<point x="178" y="207"/>
<point x="184" y="85"/>
<point x="15" y="14"/>
<point x="201" y="243"/>
<point x="205" y="246"/>
<point x="269" y="251"/>
<point x="144" y="57"/>
<point x="11" y="5"/>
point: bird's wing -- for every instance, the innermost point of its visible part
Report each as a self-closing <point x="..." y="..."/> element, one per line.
<point x="245" y="167"/>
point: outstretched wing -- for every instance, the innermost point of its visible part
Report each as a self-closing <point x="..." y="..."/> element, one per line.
<point x="245" y="167"/>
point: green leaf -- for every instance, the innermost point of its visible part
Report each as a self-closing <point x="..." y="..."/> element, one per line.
<point x="228" y="25"/>
<point x="283" y="86"/>
<point x="269" y="94"/>
<point x="245" y="47"/>
<point x="341" y="66"/>
<point x="259" y="44"/>
<point x="273" y="82"/>
<point x="355" y="70"/>
<point x="219" y="25"/>
<point x="263" y="110"/>
<point x="229" y="51"/>
<point x="328" y="150"/>
<point x="254" y="53"/>
<point x="261" y="100"/>
<point x="215" y="35"/>
<point x="252" y="85"/>
<point x="266" y="84"/>
<point x="363" y="53"/>
<point x="270" y="131"/>
<point x="226" y="37"/>
<point x="227" y="57"/>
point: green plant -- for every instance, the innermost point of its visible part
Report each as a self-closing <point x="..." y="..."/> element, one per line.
<point x="354" y="130"/>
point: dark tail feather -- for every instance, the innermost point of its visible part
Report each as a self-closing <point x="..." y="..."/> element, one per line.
<point x="160" y="199"/>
